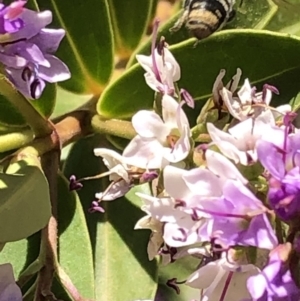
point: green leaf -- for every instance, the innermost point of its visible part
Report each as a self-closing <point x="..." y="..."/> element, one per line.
<point x="119" y="251"/>
<point x="45" y="105"/>
<point x="253" y="14"/>
<point x="24" y="201"/>
<point x="67" y="102"/>
<point x="87" y="48"/>
<point x="286" y="18"/>
<point x="21" y="253"/>
<point x="75" y="251"/>
<point x="180" y="269"/>
<point x="295" y="103"/>
<point x="129" y="27"/>
<point x="278" y="63"/>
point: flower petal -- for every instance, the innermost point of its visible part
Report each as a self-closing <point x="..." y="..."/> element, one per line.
<point x="148" y="124"/>
<point x="48" y="39"/>
<point x="144" y="153"/>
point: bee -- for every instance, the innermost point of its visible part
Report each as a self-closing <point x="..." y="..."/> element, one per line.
<point x="204" y="17"/>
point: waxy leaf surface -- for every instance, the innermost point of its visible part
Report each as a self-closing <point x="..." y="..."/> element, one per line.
<point x="263" y="56"/>
<point x="24" y="201"/>
<point x="119" y="251"/>
<point x="87" y="48"/>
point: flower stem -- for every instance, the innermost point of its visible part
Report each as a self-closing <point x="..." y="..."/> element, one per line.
<point x="49" y="243"/>
<point x="15" y="140"/>
<point x="115" y="127"/>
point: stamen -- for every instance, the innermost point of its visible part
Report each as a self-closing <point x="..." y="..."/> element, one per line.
<point x="148" y="176"/>
<point x="169" y="251"/>
<point x="194" y="215"/>
<point x="287" y="121"/>
<point x="95" y="207"/>
<point x="154" y="37"/>
<point x="218" y="85"/>
<point x="235" y="81"/>
<point x="173" y="283"/>
<point x="188" y="99"/>
<point x="227" y="282"/>
<point x="267" y="87"/>
<point x="74" y="184"/>
<point x="179" y="203"/>
<point x="160" y="47"/>
<point x="221" y="214"/>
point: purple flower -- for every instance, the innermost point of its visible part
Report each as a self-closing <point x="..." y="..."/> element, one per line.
<point x="275" y="282"/>
<point x="282" y="162"/>
<point x="26" y="49"/>
<point x="162" y="70"/>
<point x="9" y="291"/>
<point x="9" y="17"/>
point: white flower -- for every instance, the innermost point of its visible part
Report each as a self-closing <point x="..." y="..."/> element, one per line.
<point x="231" y="86"/>
<point x="9" y="291"/>
<point x="221" y="277"/>
<point x="248" y="102"/>
<point x="118" y="174"/>
<point x="239" y="144"/>
<point x="114" y="162"/>
<point x="194" y="188"/>
<point x="162" y="70"/>
<point x="159" y="142"/>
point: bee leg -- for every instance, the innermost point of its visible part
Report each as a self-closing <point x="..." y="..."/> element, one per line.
<point x="231" y="15"/>
<point x="196" y="43"/>
<point x="180" y="21"/>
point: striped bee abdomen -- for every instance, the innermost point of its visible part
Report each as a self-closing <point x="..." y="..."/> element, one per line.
<point x="204" y="17"/>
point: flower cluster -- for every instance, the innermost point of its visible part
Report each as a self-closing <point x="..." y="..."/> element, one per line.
<point x="217" y="201"/>
<point x="27" y="47"/>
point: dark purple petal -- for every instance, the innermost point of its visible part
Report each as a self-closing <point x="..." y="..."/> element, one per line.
<point x="285" y="201"/>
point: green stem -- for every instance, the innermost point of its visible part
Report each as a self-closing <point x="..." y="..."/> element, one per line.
<point x="15" y="140"/>
<point x="115" y="127"/>
<point x="38" y="123"/>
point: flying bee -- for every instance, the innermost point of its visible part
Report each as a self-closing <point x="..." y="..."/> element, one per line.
<point x="204" y="17"/>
